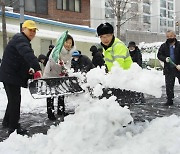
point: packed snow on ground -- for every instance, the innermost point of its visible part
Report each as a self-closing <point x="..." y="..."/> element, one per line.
<point x="98" y="126"/>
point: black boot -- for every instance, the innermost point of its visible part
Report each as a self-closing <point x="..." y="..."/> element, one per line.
<point x="61" y="106"/>
<point x="169" y="102"/>
<point x="19" y="130"/>
<point x="50" y="108"/>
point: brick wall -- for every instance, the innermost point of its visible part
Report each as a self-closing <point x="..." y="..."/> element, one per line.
<point x="80" y="18"/>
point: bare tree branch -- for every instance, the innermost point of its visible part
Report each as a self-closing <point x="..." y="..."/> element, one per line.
<point x="121" y="10"/>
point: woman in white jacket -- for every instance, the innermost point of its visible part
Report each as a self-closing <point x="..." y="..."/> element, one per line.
<point x="54" y="69"/>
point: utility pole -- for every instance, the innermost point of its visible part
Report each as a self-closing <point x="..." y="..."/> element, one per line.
<point x="3" y="23"/>
<point x="21" y="6"/>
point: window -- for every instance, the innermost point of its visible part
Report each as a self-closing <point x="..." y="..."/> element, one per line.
<point x="134" y="7"/>
<point x="170" y="23"/>
<point x="42" y="6"/>
<point x="77" y="5"/>
<point x="29" y="6"/>
<point x="163" y="13"/>
<point x="146" y="19"/>
<point x="69" y="5"/>
<point x="170" y="15"/>
<point x="170" y="6"/>
<point x="162" y="22"/>
<point x="37" y="6"/>
<point x="146" y="1"/>
<point x="163" y="3"/>
<point x="146" y="9"/>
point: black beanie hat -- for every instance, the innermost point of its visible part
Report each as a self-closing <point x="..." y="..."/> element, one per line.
<point x="132" y="44"/>
<point x="51" y="46"/>
<point x="41" y="57"/>
<point x="105" y="28"/>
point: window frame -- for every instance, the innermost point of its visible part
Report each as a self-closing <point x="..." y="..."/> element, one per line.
<point x="65" y="5"/>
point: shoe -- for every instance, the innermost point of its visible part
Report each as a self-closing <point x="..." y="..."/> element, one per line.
<point x="59" y="112"/>
<point x="169" y="103"/>
<point x="10" y="130"/>
<point x="22" y="131"/>
<point x="51" y="117"/>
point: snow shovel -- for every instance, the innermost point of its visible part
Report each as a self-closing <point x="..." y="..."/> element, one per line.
<point x="54" y="87"/>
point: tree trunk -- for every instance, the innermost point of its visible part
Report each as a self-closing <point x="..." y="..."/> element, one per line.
<point x="118" y="29"/>
<point x="118" y="21"/>
<point x="4" y="24"/>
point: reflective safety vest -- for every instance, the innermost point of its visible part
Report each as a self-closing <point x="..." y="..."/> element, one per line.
<point x="119" y="53"/>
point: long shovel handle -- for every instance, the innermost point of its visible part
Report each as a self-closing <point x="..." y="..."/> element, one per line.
<point x="171" y="62"/>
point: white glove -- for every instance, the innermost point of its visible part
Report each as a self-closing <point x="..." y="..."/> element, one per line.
<point x="168" y="59"/>
<point x="31" y="71"/>
<point x="178" y="67"/>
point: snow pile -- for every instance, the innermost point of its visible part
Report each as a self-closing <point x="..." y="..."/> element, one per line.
<point x="135" y="79"/>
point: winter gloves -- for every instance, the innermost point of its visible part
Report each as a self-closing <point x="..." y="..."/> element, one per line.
<point x="36" y="74"/>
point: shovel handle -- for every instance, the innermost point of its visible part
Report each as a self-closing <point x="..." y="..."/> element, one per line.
<point x="171" y="62"/>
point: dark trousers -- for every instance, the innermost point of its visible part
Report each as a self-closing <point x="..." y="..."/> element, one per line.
<point x="60" y="106"/>
<point x="12" y="114"/>
<point x="170" y="80"/>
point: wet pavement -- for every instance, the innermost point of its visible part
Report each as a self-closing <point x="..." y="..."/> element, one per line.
<point x="148" y="110"/>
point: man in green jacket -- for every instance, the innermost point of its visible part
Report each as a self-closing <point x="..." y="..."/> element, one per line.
<point x="115" y="51"/>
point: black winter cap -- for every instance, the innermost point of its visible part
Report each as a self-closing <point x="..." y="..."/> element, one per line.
<point x="96" y="48"/>
<point x="105" y="28"/>
<point x="132" y="44"/>
<point x="41" y="56"/>
<point x="51" y="46"/>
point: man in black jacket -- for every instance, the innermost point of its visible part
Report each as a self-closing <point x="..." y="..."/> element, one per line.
<point x="18" y="65"/>
<point x="169" y="53"/>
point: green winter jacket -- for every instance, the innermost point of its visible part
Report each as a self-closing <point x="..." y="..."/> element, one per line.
<point x="117" y="52"/>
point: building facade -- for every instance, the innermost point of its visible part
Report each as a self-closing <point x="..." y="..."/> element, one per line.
<point x="49" y="31"/>
<point x="68" y="11"/>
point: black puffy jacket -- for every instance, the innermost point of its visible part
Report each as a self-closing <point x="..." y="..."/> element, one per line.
<point x="97" y="59"/>
<point x="18" y="57"/>
<point x="84" y="64"/>
<point x="164" y="52"/>
<point x="136" y="56"/>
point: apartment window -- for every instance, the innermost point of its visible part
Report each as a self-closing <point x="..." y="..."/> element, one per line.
<point x="146" y="1"/>
<point x="170" y="23"/>
<point x="42" y="6"/>
<point x="170" y="14"/>
<point x="37" y="6"/>
<point x="29" y="6"/>
<point x="146" y="9"/>
<point x="163" y="3"/>
<point x="170" y="6"/>
<point x="134" y="7"/>
<point x="146" y="19"/>
<point x="163" y="13"/>
<point x="69" y="5"/>
<point x="162" y="22"/>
